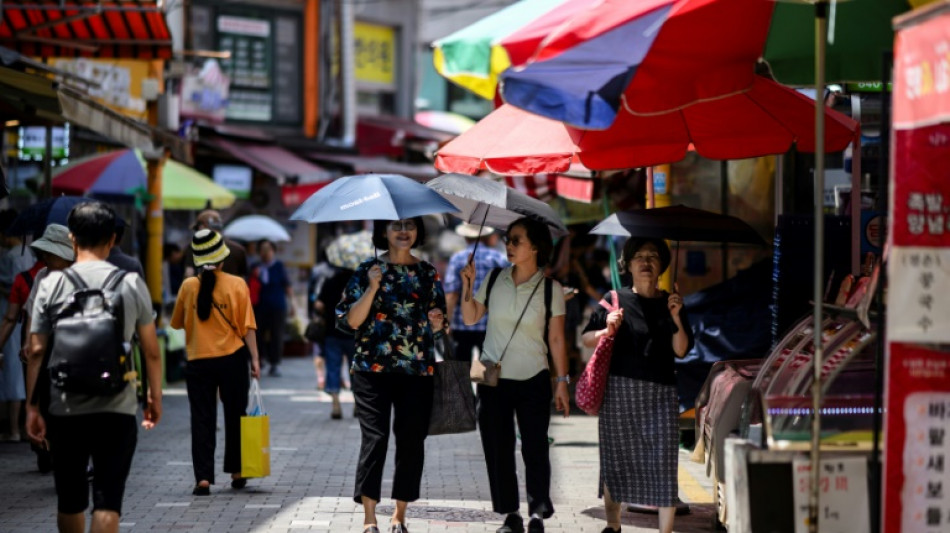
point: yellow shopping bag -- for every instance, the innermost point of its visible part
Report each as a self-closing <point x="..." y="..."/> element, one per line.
<point x="255" y="437"/>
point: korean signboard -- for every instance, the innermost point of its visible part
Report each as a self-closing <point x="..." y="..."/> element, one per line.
<point x="118" y="82"/>
<point x="844" y="489"/>
<point x="917" y="398"/>
<point x="375" y="54"/>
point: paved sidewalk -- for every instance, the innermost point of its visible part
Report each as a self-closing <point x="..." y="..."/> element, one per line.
<point x="313" y="463"/>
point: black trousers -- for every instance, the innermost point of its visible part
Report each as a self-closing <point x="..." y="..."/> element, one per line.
<point x="206" y="379"/>
<point x="270" y="334"/>
<point x="378" y="396"/>
<point x="465" y="343"/>
<point x="530" y="402"/>
<point x="109" y="439"/>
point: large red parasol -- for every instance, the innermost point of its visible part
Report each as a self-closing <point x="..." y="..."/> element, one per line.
<point x="766" y="119"/>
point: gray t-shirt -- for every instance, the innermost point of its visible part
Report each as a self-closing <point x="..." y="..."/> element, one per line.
<point x="52" y="292"/>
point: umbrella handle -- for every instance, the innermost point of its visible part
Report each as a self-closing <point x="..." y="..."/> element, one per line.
<point x="468" y="294"/>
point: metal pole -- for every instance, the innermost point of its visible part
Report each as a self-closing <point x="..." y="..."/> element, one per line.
<point x="48" y="167"/>
<point x="874" y="468"/>
<point x="724" y="208"/>
<point x="821" y="30"/>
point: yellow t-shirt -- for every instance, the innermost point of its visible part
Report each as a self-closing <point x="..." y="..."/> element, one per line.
<point x="214" y="337"/>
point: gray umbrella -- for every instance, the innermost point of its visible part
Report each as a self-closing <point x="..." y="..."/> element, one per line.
<point x="490" y="203"/>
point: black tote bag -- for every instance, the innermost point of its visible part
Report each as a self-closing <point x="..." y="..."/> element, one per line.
<point x="453" y="401"/>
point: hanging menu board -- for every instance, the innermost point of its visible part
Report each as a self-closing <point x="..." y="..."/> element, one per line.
<point x="917" y="414"/>
<point x="249" y="66"/>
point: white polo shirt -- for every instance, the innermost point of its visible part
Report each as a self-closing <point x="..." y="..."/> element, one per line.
<point x="527" y="353"/>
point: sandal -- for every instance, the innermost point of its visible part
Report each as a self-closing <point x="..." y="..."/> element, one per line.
<point x="202" y="490"/>
<point x="370" y="529"/>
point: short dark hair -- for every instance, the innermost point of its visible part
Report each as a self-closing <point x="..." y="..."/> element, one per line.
<point x="379" y="233"/>
<point x="262" y="242"/>
<point x="538" y="235"/>
<point x="633" y="244"/>
<point x="119" y="229"/>
<point x="92" y="224"/>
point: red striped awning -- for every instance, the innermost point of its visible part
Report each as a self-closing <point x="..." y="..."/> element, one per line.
<point x="132" y="29"/>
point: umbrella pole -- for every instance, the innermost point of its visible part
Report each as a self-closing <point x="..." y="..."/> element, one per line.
<point x="676" y="257"/>
<point x="614" y="272"/>
<point x="468" y="293"/>
<point x="821" y="30"/>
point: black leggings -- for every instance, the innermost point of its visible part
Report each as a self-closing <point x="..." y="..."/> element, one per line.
<point x="205" y="379"/>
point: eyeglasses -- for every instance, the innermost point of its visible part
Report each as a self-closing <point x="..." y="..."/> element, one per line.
<point x="646" y="257"/>
<point x="514" y="241"/>
<point x="402" y="225"/>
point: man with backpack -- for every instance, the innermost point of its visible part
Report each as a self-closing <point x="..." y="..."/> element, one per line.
<point x="82" y="322"/>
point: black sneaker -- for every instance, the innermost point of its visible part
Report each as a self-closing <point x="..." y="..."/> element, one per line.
<point x="513" y="524"/>
<point x="535" y="525"/>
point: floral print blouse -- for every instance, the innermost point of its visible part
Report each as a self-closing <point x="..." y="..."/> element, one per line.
<point x="396" y="337"/>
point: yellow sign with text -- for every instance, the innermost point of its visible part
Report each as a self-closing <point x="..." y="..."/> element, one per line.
<point x="117" y="82"/>
<point x="375" y="53"/>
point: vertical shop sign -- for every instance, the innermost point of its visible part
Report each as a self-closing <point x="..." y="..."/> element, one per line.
<point x="917" y="398"/>
<point x="375" y="54"/>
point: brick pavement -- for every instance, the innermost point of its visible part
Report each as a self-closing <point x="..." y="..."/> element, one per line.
<point x="313" y="465"/>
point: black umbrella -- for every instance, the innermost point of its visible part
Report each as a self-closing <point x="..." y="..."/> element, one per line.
<point x="36" y="217"/>
<point x="678" y="223"/>
<point x="493" y="204"/>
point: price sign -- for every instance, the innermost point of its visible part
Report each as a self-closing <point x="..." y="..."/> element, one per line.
<point x="843" y="498"/>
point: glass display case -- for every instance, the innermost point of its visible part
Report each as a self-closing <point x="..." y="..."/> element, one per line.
<point x="784" y="387"/>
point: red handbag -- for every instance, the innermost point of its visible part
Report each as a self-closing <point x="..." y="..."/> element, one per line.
<point x="589" y="393"/>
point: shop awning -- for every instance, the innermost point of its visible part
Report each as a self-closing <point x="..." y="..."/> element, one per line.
<point x="361" y="164"/>
<point x="390" y="136"/>
<point x="130" y="29"/>
<point x="29" y="97"/>
<point x="280" y="164"/>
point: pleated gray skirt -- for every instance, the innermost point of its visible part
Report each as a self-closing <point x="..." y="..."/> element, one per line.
<point x="639" y="436"/>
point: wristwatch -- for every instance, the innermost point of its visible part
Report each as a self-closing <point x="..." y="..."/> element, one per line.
<point x="564" y="379"/>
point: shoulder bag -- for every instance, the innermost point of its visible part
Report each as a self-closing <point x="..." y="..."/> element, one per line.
<point x="593" y="380"/>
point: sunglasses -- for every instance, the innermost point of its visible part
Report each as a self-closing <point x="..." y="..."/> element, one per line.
<point x="402" y="225"/>
<point x="514" y="241"/>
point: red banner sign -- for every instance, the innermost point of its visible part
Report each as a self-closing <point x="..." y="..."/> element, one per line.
<point x="922" y="74"/>
<point x="917" y="467"/>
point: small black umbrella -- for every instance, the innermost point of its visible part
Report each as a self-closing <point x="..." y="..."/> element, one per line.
<point x="36" y="217"/>
<point x="678" y="223"/>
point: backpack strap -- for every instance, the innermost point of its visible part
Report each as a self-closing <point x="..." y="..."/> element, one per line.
<point x="74" y="278"/>
<point x="114" y="279"/>
<point x="548" y="294"/>
<point x="492" y="278"/>
<point x="27" y="278"/>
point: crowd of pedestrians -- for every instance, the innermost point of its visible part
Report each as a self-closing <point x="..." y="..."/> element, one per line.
<point x="384" y="320"/>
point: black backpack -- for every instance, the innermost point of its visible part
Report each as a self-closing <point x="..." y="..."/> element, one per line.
<point x="548" y="291"/>
<point x="88" y="352"/>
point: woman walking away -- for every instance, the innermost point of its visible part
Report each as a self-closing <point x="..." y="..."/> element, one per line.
<point x="517" y="314"/>
<point x="215" y="310"/>
<point x="396" y="306"/>
<point x="639" y="426"/>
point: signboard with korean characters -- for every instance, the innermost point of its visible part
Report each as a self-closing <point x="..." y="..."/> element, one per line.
<point x="375" y="54"/>
<point x="844" y="494"/>
<point x="916" y="484"/>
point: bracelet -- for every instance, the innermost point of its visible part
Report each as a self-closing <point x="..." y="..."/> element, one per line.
<point x="563" y="379"/>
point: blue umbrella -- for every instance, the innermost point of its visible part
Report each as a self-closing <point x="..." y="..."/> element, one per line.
<point x="36" y="217"/>
<point x="372" y="197"/>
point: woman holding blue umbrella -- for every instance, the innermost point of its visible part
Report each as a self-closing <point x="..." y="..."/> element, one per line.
<point x="395" y="305"/>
